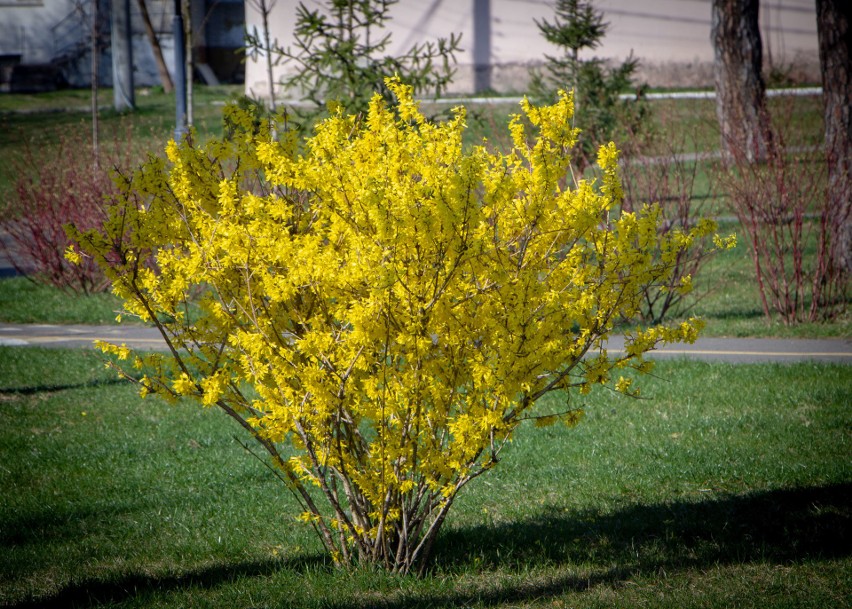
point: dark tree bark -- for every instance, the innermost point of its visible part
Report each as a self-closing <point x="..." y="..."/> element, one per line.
<point x="165" y="77"/>
<point x="835" y="57"/>
<point x="740" y="88"/>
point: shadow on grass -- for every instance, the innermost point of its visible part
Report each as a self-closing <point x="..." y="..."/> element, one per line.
<point x="591" y="547"/>
<point x="741" y="313"/>
<point x="108" y="593"/>
<point x="774" y="526"/>
<point x="52" y="388"/>
<point x="8" y="272"/>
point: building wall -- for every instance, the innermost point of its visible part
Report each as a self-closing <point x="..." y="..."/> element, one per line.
<point x="59" y="32"/>
<point x="670" y="37"/>
<point x="27" y="27"/>
<point x="44" y="31"/>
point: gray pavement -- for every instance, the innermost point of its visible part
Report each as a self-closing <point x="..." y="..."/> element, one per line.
<point x="74" y="336"/>
<point x="734" y="350"/>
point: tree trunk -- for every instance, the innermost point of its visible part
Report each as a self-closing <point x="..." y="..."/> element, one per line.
<point x="165" y="77"/>
<point x="187" y="28"/>
<point x="835" y="57"/>
<point x="95" y="33"/>
<point x="121" y="44"/>
<point x="740" y="89"/>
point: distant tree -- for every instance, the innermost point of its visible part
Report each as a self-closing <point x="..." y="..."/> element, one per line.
<point x="162" y="69"/>
<point x="835" y="39"/>
<point x="578" y="26"/>
<point x="740" y="88"/>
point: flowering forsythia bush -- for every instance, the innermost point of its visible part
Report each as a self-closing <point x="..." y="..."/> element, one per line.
<point x="383" y="309"/>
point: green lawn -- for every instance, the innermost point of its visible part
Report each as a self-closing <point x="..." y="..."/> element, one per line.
<point x="25" y="302"/>
<point x="725" y="296"/>
<point x="729" y="487"/>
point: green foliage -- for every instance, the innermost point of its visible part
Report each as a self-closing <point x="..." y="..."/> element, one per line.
<point x="602" y="116"/>
<point x="577" y="26"/>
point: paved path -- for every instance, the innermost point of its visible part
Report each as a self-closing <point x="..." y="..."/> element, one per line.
<point x="73" y="335"/>
<point x="735" y="350"/>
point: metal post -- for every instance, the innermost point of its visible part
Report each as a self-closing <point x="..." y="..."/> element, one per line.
<point x="180" y="73"/>
<point x="122" y="57"/>
<point x="481" y="45"/>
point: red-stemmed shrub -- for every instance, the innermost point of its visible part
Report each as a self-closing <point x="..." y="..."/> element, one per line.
<point x="57" y="185"/>
<point x="782" y="203"/>
<point x="656" y="171"/>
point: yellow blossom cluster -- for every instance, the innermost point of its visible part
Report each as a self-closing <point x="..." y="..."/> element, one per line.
<point x="382" y="307"/>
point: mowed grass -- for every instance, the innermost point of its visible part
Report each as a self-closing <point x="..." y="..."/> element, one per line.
<point x="729" y="486"/>
<point x="726" y="293"/>
<point x="727" y="298"/>
<point x="38" y="120"/>
<point x="23" y="301"/>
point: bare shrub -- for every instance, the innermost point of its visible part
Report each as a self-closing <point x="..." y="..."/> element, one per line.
<point x="656" y="171"/>
<point x="783" y="206"/>
<point x="55" y="186"/>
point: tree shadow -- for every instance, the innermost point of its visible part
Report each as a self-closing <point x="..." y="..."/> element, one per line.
<point x="775" y="526"/>
<point x="779" y="526"/>
<point x="107" y="593"/>
<point x="59" y="524"/>
<point x="56" y="387"/>
<point x="7" y="272"/>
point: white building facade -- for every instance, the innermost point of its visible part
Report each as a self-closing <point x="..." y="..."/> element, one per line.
<point x="671" y="38"/>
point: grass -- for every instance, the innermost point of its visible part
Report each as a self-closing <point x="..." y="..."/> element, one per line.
<point x="730" y="487"/>
<point x="690" y="124"/>
<point x="25" y="302"/>
<point x="726" y="296"/>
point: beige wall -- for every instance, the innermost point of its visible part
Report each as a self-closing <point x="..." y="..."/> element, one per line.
<point x="670" y="37"/>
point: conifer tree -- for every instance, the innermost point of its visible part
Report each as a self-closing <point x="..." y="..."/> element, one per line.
<point x="579" y="26"/>
<point x="340" y="55"/>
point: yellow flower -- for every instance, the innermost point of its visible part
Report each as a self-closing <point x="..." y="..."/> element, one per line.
<point x="72" y="255"/>
<point x="383" y="305"/>
<point x="183" y="385"/>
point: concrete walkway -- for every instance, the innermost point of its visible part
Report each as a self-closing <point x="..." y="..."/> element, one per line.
<point x="734" y="350"/>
